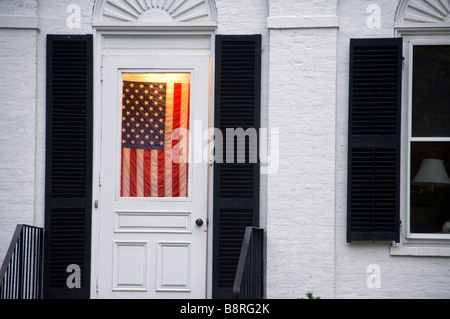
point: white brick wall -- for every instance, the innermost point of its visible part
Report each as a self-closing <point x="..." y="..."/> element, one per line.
<point x="300" y="227"/>
<point x="17" y="131"/>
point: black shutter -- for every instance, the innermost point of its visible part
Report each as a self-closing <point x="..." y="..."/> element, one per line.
<point x="68" y="164"/>
<point x="374" y="139"/>
<point x="236" y="185"/>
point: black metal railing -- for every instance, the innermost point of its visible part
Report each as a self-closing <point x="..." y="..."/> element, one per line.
<point x="248" y="283"/>
<point x="21" y="271"/>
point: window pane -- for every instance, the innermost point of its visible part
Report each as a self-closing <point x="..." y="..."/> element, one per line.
<point x="431" y="91"/>
<point x="430" y="186"/>
<point x="155" y="123"/>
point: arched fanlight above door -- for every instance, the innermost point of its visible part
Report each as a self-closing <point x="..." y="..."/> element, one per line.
<point x="140" y="13"/>
<point x="423" y="13"/>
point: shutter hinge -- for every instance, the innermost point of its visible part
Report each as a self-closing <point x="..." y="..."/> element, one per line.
<point x="403" y="63"/>
<point x="100" y="179"/>
<point x="96" y="285"/>
<point x="101" y="73"/>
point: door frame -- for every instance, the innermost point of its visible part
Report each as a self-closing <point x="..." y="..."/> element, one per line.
<point x="200" y="41"/>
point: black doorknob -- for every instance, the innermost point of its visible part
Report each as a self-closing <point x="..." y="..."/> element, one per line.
<point x="199" y="222"/>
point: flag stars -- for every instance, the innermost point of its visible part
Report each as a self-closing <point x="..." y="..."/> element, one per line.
<point x="143" y="115"/>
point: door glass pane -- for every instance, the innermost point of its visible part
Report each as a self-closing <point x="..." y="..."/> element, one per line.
<point x="155" y="124"/>
<point x="430" y="187"/>
<point x="431" y="91"/>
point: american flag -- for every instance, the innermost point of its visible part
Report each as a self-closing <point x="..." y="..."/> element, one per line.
<point x="151" y="111"/>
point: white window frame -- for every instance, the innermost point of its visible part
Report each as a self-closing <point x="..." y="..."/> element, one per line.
<point x="415" y="244"/>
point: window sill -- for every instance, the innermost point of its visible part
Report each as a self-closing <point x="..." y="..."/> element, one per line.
<point x="420" y="250"/>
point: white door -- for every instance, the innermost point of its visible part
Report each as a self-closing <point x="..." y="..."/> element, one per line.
<point x="152" y="208"/>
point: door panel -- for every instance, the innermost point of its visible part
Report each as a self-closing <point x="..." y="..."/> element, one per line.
<point x="151" y="194"/>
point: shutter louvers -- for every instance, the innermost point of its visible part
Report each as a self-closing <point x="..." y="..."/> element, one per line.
<point x="68" y="164"/>
<point x="236" y="185"/>
<point x="374" y="140"/>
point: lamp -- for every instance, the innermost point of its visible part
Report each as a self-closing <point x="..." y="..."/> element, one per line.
<point x="432" y="172"/>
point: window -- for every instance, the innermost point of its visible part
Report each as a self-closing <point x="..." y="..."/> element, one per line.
<point x="155" y="124"/>
<point x="429" y="141"/>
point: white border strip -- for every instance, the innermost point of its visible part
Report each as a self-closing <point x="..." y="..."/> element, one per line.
<point x="302" y="22"/>
<point x="18" y="22"/>
<point x="423" y="251"/>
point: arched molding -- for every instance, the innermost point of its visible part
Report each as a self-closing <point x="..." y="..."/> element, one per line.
<point x="423" y="13"/>
<point x="154" y="13"/>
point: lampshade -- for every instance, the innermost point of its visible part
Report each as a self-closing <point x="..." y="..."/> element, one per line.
<point x="432" y="171"/>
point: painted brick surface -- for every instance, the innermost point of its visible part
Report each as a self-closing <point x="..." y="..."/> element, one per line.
<point x="300" y="227"/>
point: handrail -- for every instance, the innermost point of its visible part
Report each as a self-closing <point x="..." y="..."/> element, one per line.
<point x="21" y="271"/>
<point x="248" y="283"/>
